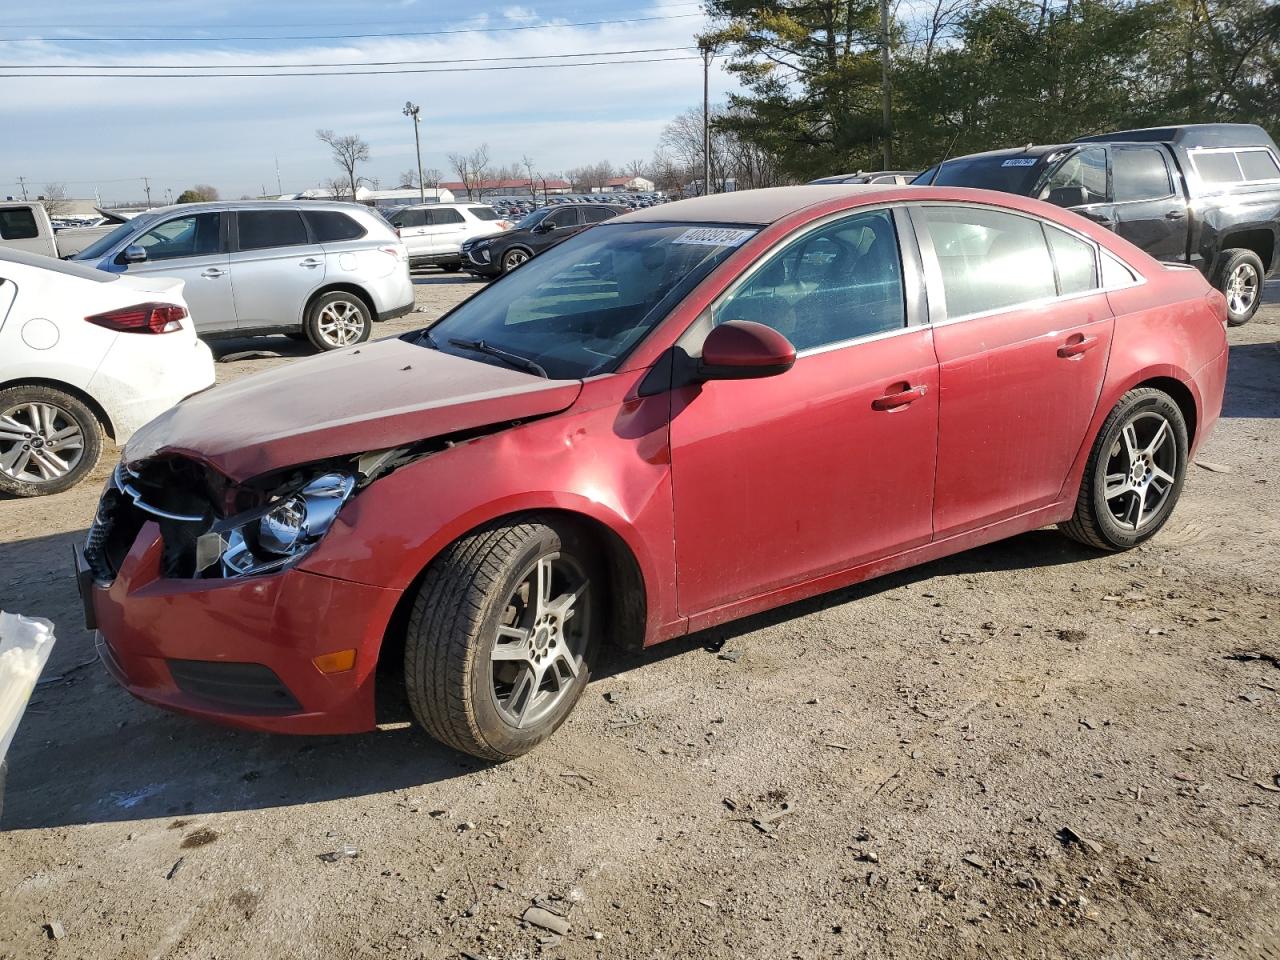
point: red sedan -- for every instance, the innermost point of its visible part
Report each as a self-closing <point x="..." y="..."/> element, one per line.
<point x="682" y="416"/>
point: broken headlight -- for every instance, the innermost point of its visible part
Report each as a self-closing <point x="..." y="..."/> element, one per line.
<point x="277" y="535"/>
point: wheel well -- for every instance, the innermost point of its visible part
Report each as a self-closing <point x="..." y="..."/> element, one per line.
<point x="350" y="288"/>
<point x="628" y="601"/>
<point x="517" y="246"/>
<point x="1181" y="396"/>
<point x="88" y="401"/>
<point x="1261" y="242"/>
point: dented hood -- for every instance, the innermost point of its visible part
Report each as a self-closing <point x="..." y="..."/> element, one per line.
<point x="371" y="397"/>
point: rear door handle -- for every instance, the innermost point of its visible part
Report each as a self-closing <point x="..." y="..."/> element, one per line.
<point x="213" y="273"/>
<point x="310" y="262"/>
<point x="895" y="401"/>
<point x="1076" y="346"/>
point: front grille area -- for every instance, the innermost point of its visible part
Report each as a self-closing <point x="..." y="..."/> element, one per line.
<point x="247" y="688"/>
<point x="115" y="527"/>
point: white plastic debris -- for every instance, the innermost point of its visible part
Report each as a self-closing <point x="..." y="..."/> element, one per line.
<point x="25" y="643"/>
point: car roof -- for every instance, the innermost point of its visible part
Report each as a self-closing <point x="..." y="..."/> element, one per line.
<point x="215" y="206"/>
<point x="1189" y="135"/>
<point x="753" y="206"/>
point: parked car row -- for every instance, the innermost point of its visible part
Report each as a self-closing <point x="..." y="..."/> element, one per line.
<point x="675" y="418"/>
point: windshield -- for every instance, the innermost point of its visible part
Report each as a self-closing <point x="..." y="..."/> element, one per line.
<point x="1009" y="174"/>
<point x="532" y="219"/>
<point x="579" y="308"/>
<point x="99" y="247"/>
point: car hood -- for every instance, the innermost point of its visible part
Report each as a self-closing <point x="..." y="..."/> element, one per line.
<point x="371" y="397"/>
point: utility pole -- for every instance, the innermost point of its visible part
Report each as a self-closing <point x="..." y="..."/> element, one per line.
<point x="885" y="91"/>
<point x="413" y="111"/>
<point x="146" y="183"/>
<point x="279" y="188"/>
<point x="22" y="182"/>
<point x="708" y="53"/>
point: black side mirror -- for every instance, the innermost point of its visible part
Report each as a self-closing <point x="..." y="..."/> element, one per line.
<point x="1068" y="196"/>
<point x="544" y="227"/>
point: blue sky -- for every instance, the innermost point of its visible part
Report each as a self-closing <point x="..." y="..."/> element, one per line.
<point x="105" y="134"/>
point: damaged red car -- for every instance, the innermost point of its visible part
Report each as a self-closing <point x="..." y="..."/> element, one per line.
<point x="676" y="418"/>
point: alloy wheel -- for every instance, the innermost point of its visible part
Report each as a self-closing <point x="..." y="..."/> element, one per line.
<point x="341" y="323"/>
<point x="39" y="443"/>
<point x="1242" y="289"/>
<point x="1141" y="467"/>
<point x="514" y="259"/>
<point x="537" y="655"/>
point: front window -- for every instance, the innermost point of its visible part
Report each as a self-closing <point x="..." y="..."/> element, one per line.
<point x="103" y="245"/>
<point x="578" y="309"/>
<point x="533" y="219"/>
<point x="194" y="236"/>
<point x="1079" y="180"/>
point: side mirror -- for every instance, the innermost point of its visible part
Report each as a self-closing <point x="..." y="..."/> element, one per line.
<point x="745" y="350"/>
<point x="544" y="227"/>
<point x="134" y="253"/>
<point x="1068" y="197"/>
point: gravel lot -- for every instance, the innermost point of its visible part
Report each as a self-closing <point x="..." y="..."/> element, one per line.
<point x="882" y="772"/>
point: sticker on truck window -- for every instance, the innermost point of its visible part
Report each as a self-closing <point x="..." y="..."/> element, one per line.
<point x="1020" y="162"/>
<point x="715" y="236"/>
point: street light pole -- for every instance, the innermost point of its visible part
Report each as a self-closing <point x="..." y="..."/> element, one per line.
<point x="412" y="111"/>
<point x="708" y="52"/>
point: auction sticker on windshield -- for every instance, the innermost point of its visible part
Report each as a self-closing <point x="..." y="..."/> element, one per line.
<point x="1020" y="162"/>
<point x="715" y="236"/>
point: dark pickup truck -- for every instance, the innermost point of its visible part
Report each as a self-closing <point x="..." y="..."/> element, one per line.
<point x="1207" y="194"/>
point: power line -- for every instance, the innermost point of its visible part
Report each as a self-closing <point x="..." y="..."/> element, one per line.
<point x="347" y="63"/>
<point x="353" y="36"/>
<point x="265" y="26"/>
<point x="346" y="73"/>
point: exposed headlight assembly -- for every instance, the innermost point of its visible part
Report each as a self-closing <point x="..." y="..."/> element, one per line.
<point x="278" y="534"/>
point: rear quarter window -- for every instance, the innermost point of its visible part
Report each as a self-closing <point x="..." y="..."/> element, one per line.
<point x="330" y="226"/>
<point x="483" y="213"/>
<point x="1258" y="165"/>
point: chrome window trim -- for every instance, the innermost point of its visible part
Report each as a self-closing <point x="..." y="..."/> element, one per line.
<point x="933" y="272"/>
<point x="1194" y="152"/>
<point x="914" y="294"/>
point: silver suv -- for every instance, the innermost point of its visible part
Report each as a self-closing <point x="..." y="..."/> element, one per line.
<point x="325" y="271"/>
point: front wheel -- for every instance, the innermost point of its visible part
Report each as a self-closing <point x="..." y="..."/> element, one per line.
<point x="502" y="636"/>
<point x="1240" y="280"/>
<point x="1134" y="475"/>
<point x="513" y="258"/>
<point x="336" y="320"/>
<point x="49" y="441"/>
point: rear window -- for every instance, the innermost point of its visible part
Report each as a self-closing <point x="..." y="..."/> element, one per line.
<point x="260" y="229"/>
<point x="1009" y="174"/>
<point x="443" y="216"/>
<point x="1258" y="165"/>
<point x="598" y="214"/>
<point x="484" y="213"/>
<point x="329" y="226"/>
<point x="18" y="223"/>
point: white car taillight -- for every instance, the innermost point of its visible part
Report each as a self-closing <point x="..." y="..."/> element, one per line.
<point x="143" y="318"/>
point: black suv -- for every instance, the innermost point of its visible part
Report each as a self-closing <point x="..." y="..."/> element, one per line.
<point x="1207" y="194"/>
<point x="541" y="230"/>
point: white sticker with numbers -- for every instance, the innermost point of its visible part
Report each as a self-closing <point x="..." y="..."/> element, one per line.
<point x="715" y="236"/>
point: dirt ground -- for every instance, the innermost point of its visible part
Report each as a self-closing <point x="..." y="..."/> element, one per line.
<point x="1027" y="750"/>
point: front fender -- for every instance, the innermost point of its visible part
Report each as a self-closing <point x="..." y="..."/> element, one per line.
<point x="608" y="463"/>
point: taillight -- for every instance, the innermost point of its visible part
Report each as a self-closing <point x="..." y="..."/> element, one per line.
<point x="143" y="318"/>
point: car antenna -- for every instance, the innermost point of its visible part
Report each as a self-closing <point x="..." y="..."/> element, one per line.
<point x="946" y="156"/>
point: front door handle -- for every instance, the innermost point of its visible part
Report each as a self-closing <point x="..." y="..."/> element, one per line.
<point x="310" y="262"/>
<point x="1101" y="219"/>
<point x="899" y="399"/>
<point x="213" y="273"/>
<point x="1075" y="347"/>
<point x="1175" y="215"/>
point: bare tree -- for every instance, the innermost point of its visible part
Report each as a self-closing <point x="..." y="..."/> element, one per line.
<point x="431" y="178"/>
<point x="337" y="188"/>
<point x="636" y="168"/>
<point x="348" y="151"/>
<point x="408" y="180"/>
<point x="54" y="198"/>
<point x="526" y="162"/>
<point x="472" y="168"/>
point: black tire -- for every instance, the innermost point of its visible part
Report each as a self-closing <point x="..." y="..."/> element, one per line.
<point x="451" y="677"/>
<point x="65" y="413"/>
<point x="514" y="257"/>
<point x="1095" y="522"/>
<point x="337" y="319"/>
<point x="451" y="267"/>
<point x="1240" y="277"/>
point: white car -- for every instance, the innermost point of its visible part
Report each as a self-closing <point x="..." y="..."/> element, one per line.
<point x="83" y="352"/>
<point x="435" y="232"/>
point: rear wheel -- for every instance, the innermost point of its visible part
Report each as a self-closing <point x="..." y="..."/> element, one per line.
<point x="1240" y="280"/>
<point x="49" y="441"/>
<point x="502" y="636"/>
<point x="336" y="320"/>
<point x="1134" y="475"/>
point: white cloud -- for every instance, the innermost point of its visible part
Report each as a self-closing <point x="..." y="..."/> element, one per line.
<point x="227" y="131"/>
